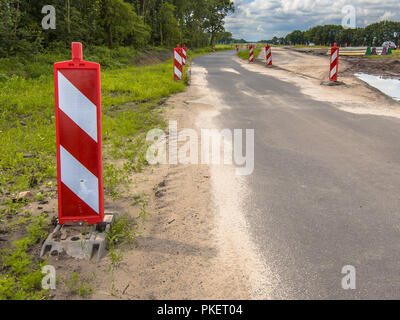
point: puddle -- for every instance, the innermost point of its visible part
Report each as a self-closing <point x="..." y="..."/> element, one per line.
<point x="390" y="87"/>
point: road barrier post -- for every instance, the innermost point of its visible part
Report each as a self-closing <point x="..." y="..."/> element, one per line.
<point x="369" y="52"/>
<point x="373" y="52"/>
<point x="184" y="55"/>
<point x="178" y="64"/>
<point x="334" y="67"/>
<point x="251" y="54"/>
<point x="268" y="54"/>
<point x="384" y="51"/>
<point x="79" y="140"/>
<point x="237" y="48"/>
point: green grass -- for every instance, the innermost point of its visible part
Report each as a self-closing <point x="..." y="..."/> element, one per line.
<point x="395" y="55"/>
<point x="124" y="230"/>
<point x="244" y="54"/>
<point x="20" y="272"/>
<point x="80" y="287"/>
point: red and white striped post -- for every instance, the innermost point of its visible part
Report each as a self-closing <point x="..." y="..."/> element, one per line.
<point x="334" y="69"/>
<point x="237" y="48"/>
<point x="268" y="55"/>
<point x="79" y="140"/>
<point x="178" y="64"/>
<point x="251" y="54"/>
<point x="184" y="55"/>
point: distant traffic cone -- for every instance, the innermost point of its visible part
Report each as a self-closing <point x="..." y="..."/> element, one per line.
<point x="384" y="51"/>
<point x="368" y="53"/>
<point x="374" y="51"/>
<point x="389" y="51"/>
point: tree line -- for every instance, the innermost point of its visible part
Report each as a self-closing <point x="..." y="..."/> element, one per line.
<point x="372" y="35"/>
<point x="112" y="23"/>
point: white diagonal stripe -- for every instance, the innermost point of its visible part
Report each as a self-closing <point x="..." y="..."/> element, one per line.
<point x="76" y="106"/>
<point x="184" y="52"/>
<point x="178" y="57"/>
<point x="79" y="179"/>
<point x="178" y="72"/>
<point x="269" y="60"/>
<point x="333" y="71"/>
<point x="268" y="51"/>
<point x="334" y="55"/>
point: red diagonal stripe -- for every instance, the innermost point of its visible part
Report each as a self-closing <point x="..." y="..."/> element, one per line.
<point x="83" y="80"/>
<point x="73" y="206"/>
<point x="78" y="143"/>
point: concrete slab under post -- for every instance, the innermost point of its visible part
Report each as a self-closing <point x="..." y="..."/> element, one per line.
<point x="79" y="241"/>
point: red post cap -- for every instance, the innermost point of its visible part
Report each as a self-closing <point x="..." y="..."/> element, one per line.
<point x="77" y="51"/>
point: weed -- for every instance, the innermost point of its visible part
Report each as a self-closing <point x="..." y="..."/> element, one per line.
<point x="23" y="276"/>
<point x="78" y="286"/>
<point x="124" y="230"/>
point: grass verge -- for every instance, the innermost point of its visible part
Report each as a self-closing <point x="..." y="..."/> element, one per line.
<point x="244" y="54"/>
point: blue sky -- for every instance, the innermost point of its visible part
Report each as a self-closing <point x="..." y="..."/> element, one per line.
<point x="262" y="19"/>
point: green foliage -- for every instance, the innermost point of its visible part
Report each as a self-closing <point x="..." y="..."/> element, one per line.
<point x="20" y="273"/>
<point x="216" y="11"/>
<point x="134" y="23"/>
<point x="372" y="35"/>
<point x="80" y="287"/>
<point x="244" y="54"/>
<point x="124" y="230"/>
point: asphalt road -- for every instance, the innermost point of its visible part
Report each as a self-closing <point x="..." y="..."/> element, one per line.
<point x="325" y="191"/>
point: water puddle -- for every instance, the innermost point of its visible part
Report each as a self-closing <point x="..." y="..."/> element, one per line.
<point x="390" y="87"/>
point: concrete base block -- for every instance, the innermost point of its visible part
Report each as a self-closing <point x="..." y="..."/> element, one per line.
<point x="79" y="242"/>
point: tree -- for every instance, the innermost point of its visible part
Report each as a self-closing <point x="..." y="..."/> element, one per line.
<point x="217" y="10"/>
<point x="120" y="23"/>
<point x="169" y="28"/>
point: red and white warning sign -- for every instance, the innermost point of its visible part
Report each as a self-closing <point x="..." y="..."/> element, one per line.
<point x="184" y="55"/>
<point x="268" y="54"/>
<point x="251" y="54"/>
<point x="79" y="140"/>
<point x="178" y="64"/>
<point x="334" y="67"/>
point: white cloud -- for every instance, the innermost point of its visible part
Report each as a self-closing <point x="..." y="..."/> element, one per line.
<point x="262" y="19"/>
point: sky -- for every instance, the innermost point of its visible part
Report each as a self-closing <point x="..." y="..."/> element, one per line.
<point x="256" y="20"/>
